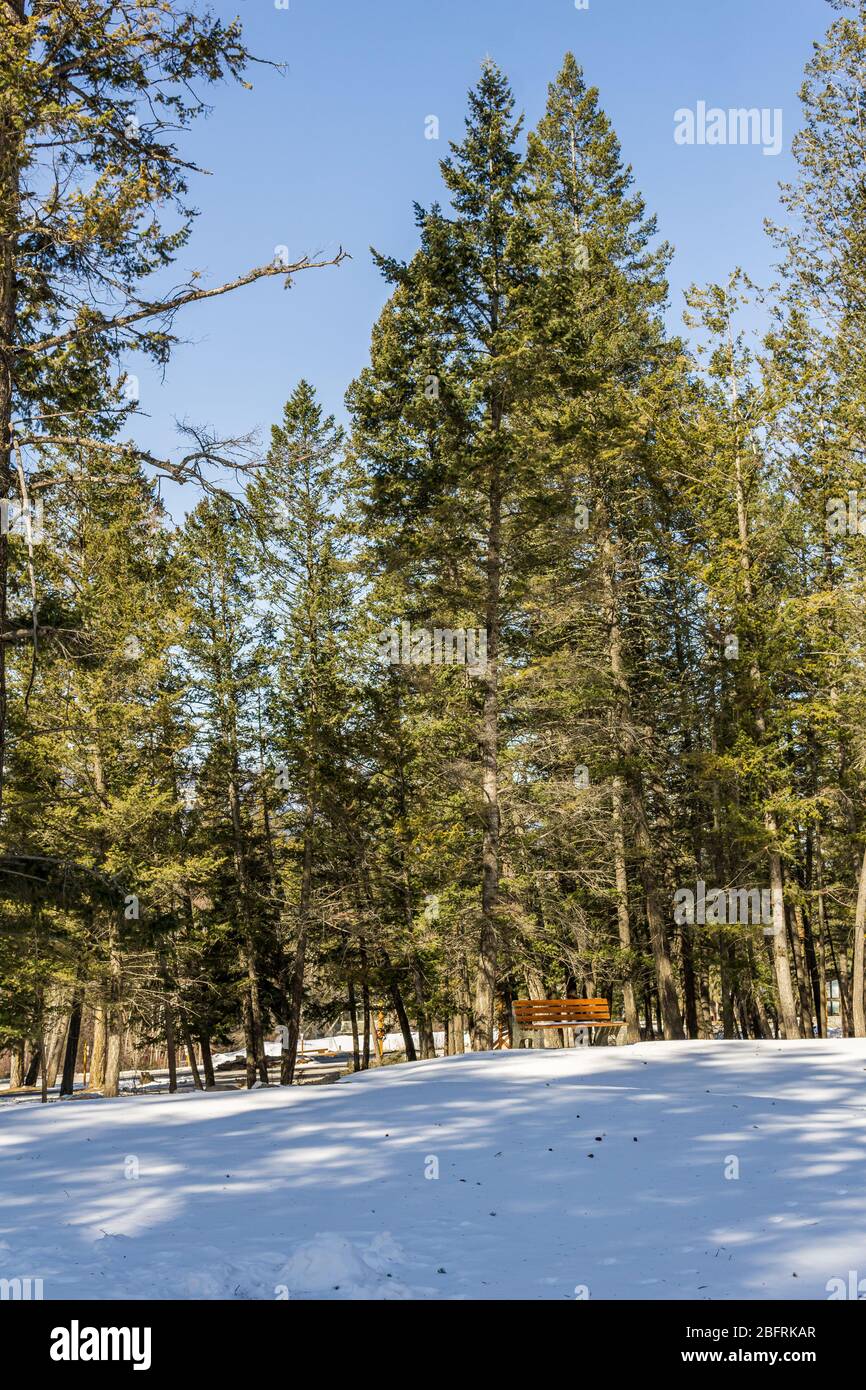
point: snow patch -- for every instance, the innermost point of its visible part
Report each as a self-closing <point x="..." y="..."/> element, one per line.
<point x="331" y="1263"/>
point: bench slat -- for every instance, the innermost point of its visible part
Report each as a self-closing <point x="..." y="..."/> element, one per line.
<point x="558" y="1009"/>
<point x="561" y="1006"/>
<point x="563" y="1013"/>
<point x="579" y="1023"/>
<point x="531" y="1020"/>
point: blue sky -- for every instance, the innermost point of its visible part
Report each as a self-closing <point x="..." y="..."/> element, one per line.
<point x="334" y="153"/>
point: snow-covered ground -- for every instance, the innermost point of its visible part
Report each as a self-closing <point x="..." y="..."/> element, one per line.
<point x="667" y="1170"/>
<point x="337" y="1042"/>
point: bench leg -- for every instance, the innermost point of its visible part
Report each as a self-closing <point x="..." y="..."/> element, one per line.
<point x="516" y="1031"/>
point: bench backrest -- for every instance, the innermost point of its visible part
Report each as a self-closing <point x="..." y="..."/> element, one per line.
<point x="565" y="1011"/>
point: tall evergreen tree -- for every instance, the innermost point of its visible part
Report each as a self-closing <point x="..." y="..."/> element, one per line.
<point x="304" y="586"/>
<point x="595" y="410"/>
<point x="434" y="419"/>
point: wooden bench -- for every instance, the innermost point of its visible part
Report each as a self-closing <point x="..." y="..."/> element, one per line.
<point x="531" y="1015"/>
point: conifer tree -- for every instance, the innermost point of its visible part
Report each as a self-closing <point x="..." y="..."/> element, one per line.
<point x="223" y="676"/>
<point x="594" y="411"/>
<point x="434" y="419"/>
<point x="304" y="586"/>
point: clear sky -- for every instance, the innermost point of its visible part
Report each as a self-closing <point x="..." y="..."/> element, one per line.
<point x="334" y="153"/>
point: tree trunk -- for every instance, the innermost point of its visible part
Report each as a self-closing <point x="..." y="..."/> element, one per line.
<point x="253" y="1025"/>
<point x="426" y="1045"/>
<point x="11" y="137"/>
<point x="690" y="994"/>
<point x="295" y="999"/>
<point x="426" y="1040"/>
<point x="56" y="1035"/>
<point x="353" y="1016"/>
<point x="846" y="997"/>
<point x="762" y="1023"/>
<point x="672" y="1021"/>
<point x="114" y="1019"/>
<point x="727" y="985"/>
<point x="170" y="1049"/>
<point x="112" y="1063"/>
<point x="399" y="1007"/>
<point x="690" y="999"/>
<point x="812" y="953"/>
<point x="379" y="1037"/>
<point x="705" y="1017"/>
<point x="804" y="984"/>
<point x="190" y="1050"/>
<point x="365" y="999"/>
<point x="16" y="1065"/>
<point x="622" y="914"/>
<point x="250" y="1051"/>
<point x="648" y="1013"/>
<point x="485" y="978"/>
<point x="821" y="959"/>
<point x="823" y="936"/>
<point x="168" y="1019"/>
<point x="67" y="1084"/>
<point x="207" y="1062"/>
<point x="32" y="1072"/>
<point x="858" y="978"/>
<point x="97" y="1061"/>
<point x="43" y="1052"/>
<point x="546" y="1037"/>
<point x="781" y="959"/>
<point x="256" y="1012"/>
<point x="403" y="1020"/>
<point x="290" y="1055"/>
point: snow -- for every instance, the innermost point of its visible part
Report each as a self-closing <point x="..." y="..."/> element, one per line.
<point x="589" y="1172"/>
<point x="335" y="1042"/>
<point x="331" y="1263"/>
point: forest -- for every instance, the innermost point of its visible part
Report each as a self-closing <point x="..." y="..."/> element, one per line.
<point x="534" y="668"/>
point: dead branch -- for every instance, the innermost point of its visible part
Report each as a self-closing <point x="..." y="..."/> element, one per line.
<point x="101" y="324"/>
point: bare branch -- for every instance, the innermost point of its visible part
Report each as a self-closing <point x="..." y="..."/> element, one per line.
<point x="101" y="324"/>
<point x="237" y="455"/>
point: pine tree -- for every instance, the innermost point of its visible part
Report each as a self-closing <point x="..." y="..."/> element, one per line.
<point x="594" y="413"/>
<point x="305" y="587"/>
<point x="434" y="419"/>
<point x="223" y="675"/>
